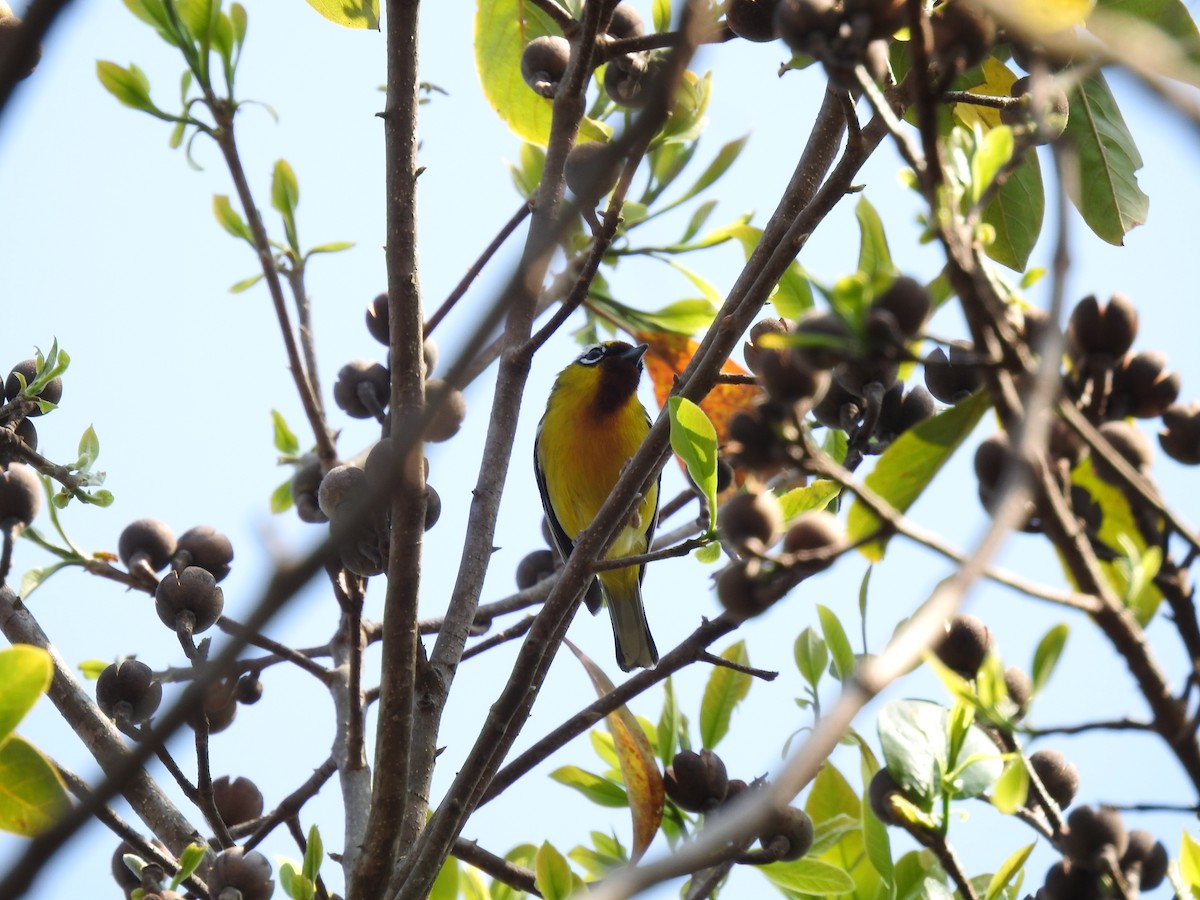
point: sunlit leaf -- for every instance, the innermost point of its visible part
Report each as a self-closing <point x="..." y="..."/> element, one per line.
<point x="915" y="736"/>
<point x="839" y="644"/>
<point x="1012" y="788"/>
<point x="726" y="688"/>
<point x="445" y="886"/>
<point x="350" y="13"/>
<point x="907" y="467"/>
<point x="694" y="439"/>
<point x="32" y="796"/>
<point x="639" y="766"/>
<point x="1045" y="657"/>
<point x="25" y="673"/>
<point x="815" y="496"/>
<point x="1015" y="214"/>
<point x="1008" y="870"/>
<point x="874" y="258"/>
<point x="1107" y="192"/>
<point x="553" y="875"/>
<point x="596" y="788"/>
<point x="809" y="876"/>
<point x="229" y="218"/>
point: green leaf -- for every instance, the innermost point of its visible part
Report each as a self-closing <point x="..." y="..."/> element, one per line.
<point x="699" y="217"/>
<point x="237" y="17"/>
<point x="684" y="317"/>
<point x="196" y="16"/>
<point x="130" y="86"/>
<point x="1106" y="194"/>
<point x="811" y="497"/>
<point x="694" y="439"/>
<point x="1045" y="657"/>
<point x="915" y="738"/>
<point x="350" y="13"/>
<point x="907" y="467"/>
<point x="669" y="722"/>
<point x="661" y="14"/>
<point x="33" y="796"/>
<point x="230" y="219"/>
<point x="877" y="844"/>
<point x="97" y="498"/>
<point x="874" y="258"/>
<point x="153" y="13"/>
<point x="89" y="450"/>
<point x="1008" y="870"/>
<point x="808" y="876"/>
<point x="839" y="644"/>
<point x="245" y="283"/>
<point x="521" y="855"/>
<point x="502" y="30"/>
<point x="189" y="861"/>
<point x="286" y="441"/>
<point x="1015" y="214"/>
<point x="718" y="167"/>
<point x="552" y="874"/>
<point x="34" y="578"/>
<point x="596" y="788"/>
<point x="812" y="656"/>
<point x="285" y="197"/>
<point x="25" y="673"/>
<point x="445" y="886"/>
<point x="91" y="668"/>
<point x="709" y="553"/>
<point x="281" y="498"/>
<point x="726" y="688"/>
<point x="1189" y="862"/>
<point x="332" y="247"/>
<point x="994" y="150"/>
<point x="314" y="854"/>
<point x="177" y="134"/>
<point x="1012" y="788"/>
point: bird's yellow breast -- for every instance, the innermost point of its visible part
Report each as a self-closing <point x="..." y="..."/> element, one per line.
<point x="581" y="455"/>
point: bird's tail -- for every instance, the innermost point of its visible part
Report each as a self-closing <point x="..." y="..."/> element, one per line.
<point x="631" y="631"/>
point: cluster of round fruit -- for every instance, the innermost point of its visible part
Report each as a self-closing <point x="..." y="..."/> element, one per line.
<point x="750" y="522"/>
<point x="234" y="872"/>
<point x="1091" y="838"/>
<point x="847" y="377"/>
<point x="627" y="77"/>
<point x="1110" y="383"/>
<point x="20" y="487"/>
<point x="699" y="783"/>
<point x="343" y="495"/>
<point x="186" y="598"/>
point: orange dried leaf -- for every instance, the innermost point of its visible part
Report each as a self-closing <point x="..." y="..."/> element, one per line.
<point x="639" y="765"/>
<point x="670" y="354"/>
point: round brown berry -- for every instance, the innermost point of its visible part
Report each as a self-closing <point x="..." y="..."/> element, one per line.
<point x="966" y="642"/>
<point x="450" y="409"/>
<point x="27" y="368"/>
<point x="909" y="303"/>
<point x="753" y="20"/>
<point x="1102" y="331"/>
<point x="626" y="22"/>
<point x="1180" y="437"/>
<point x="592" y="170"/>
<point x="238" y="800"/>
<point x="377" y="319"/>
<point x="20" y="495"/>
<point x="696" y="782"/>
<point x="880" y="791"/>
<point x="205" y="547"/>
<point x="1059" y="777"/>
<point x="147" y="541"/>
<point x="189" y="599"/>
<point x="1129" y="442"/>
<point x="1045" y="106"/>
<point x="811" y="532"/>
<point x="535" y="566"/>
<point x="1090" y="830"/>
<point x="751" y="520"/>
<point x="955" y="376"/>
<point x="362" y="389"/>
<point x="789" y="836"/>
<point x="128" y="689"/>
<point x="544" y="63"/>
<point x="1148" y="856"/>
<point x="306" y="482"/>
<point x="247" y="874"/>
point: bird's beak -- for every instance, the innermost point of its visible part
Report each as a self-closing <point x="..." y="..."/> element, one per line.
<point x="635" y="354"/>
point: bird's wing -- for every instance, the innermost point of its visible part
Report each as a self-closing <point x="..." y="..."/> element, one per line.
<point x="654" y="518"/>
<point x="593" y="597"/>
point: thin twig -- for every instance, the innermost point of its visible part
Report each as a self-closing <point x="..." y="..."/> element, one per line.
<point x="281" y="651"/>
<point x="293" y="803"/>
<point x="500" y="637"/>
<point x="499" y="868"/>
<point x="473" y="272"/>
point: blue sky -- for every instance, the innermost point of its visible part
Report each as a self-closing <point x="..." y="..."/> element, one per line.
<point x="107" y="243"/>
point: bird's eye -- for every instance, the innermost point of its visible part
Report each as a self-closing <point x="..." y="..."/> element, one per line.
<point x="592" y="355"/>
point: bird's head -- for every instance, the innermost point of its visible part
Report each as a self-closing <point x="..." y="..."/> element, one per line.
<point x="607" y="373"/>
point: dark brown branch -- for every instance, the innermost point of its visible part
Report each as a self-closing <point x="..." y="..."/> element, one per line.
<point x="1083" y="727"/>
<point x="293" y="803"/>
<point x="396" y="809"/>
<point x="722" y="662"/>
<point x="497" y="867"/>
<point x="281" y="651"/>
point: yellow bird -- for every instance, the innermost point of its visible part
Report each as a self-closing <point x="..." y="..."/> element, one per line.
<point x="593" y="424"/>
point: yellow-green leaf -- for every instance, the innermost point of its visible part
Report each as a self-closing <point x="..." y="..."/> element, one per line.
<point x="726" y="688"/>
<point x="502" y="30"/>
<point x="1189" y="862"/>
<point x="1009" y="869"/>
<point x="25" y="673"/>
<point x="32" y="796"/>
<point x="639" y="766"/>
<point x="1046" y="16"/>
<point x="694" y="439"/>
<point x="350" y="13"/>
<point x="553" y="875"/>
<point x="907" y="467"/>
<point x="1011" y="789"/>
